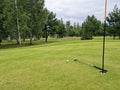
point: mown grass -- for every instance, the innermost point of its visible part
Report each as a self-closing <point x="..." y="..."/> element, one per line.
<point x="44" y="67"/>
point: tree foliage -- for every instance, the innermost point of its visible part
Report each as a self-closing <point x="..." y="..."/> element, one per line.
<point x="29" y="19"/>
<point x="23" y="19"/>
<point x="2" y="19"/>
<point x="114" y="22"/>
<point x="90" y="27"/>
<point x="72" y="30"/>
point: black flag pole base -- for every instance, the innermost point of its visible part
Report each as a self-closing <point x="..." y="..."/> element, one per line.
<point x="103" y="71"/>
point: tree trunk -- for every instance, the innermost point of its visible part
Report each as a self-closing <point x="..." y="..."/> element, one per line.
<point x="46" y="36"/>
<point x="0" y="41"/>
<point x="17" y="24"/>
<point x="30" y="38"/>
<point x="23" y="39"/>
<point x="119" y="35"/>
<point x="114" y="37"/>
<point x="46" y="39"/>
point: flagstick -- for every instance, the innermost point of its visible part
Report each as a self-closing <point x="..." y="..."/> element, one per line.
<point x="103" y="56"/>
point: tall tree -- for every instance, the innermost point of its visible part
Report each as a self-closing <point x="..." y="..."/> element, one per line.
<point x="37" y="17"/>
<point x="77" y="29"/>
<point x="17" y="23"/>
<point x="52" y="23"/>
<point x="114" y="22"/>
<point x="12" y="19"/>
<point x="68" y="27"/>
<point x="2" y="18"/>
<point x="89" y="27"/>
<point x="60" y="29"/>
<point x="22" y="19"/>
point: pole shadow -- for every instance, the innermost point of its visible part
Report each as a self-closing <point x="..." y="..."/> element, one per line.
<point x="93" y="66"/>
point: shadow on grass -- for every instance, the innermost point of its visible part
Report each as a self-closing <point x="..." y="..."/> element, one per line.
<point x="24" y="44"/>
<point x="93" y="66"/>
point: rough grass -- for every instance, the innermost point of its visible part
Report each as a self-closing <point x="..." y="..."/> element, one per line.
<point x="44" y="67"/>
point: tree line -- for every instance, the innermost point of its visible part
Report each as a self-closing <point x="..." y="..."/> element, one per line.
<point x="23" y="19"/>
<point x="94" y="27"/>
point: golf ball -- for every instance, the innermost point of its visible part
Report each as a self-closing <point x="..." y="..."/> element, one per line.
<point x="67" y="60"/>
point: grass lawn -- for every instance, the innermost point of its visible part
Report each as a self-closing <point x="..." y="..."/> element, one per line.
<point x="44" y="67"/>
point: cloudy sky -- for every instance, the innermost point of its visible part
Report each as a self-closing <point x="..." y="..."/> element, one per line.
<point x="78" y="10"/>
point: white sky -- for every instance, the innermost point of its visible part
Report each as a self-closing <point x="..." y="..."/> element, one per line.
<point x="78" y="10"/>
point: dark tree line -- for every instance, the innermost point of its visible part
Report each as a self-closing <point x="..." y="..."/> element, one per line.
<point x="29" y="19"/>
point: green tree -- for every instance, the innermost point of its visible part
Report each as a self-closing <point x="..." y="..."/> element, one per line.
<point x="56" y="26"/>
<point x="68" y="27"/>
<point x="2" y="19"/>
<point x="9" y="22"/>
<point x="37" y="17"/>
<point x="76" y="29"/>
<point x="60" y="29"/>
<point x="114" y="22"/>
<point x="52" y="23"/>
<point x="12" y="19"/>
<point x="72" y="30"/>
<point x="89" y="27"/>
<point x="22" y="19"/>
<point x="17" y="23"/>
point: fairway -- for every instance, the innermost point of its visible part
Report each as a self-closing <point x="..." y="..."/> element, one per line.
<point x="44" y="67"/>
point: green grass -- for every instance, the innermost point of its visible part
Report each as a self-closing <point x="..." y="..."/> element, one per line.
<point x="44" y="67"/>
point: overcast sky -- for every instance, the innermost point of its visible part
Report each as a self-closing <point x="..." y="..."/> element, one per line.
<point x="78" y="10"/>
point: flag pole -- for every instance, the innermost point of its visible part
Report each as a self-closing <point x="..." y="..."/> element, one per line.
<point x="103" y="56"/>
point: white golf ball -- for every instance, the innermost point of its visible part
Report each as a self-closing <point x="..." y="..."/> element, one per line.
<point x="67" y="60"/>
